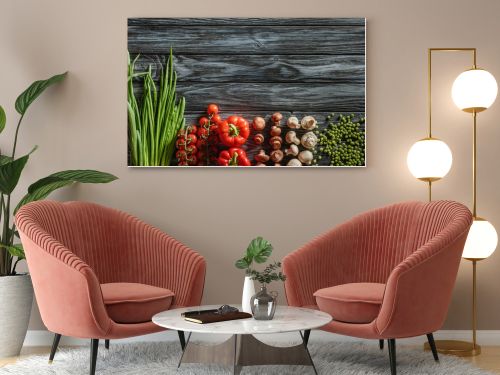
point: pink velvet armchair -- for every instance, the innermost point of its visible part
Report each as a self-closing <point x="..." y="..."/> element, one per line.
<point x="385" y="274"/>
<point x="99" y="273"/>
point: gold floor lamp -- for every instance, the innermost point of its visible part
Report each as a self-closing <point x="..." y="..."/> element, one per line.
<point x="430" y="159"/>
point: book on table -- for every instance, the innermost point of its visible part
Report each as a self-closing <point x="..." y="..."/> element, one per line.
<point x="213" y="316"/>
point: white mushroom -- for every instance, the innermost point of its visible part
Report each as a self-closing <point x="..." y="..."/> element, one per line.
<point x="292" y="150"/>
<point x="308" y="123"/>
<point x="309" y="140"/>
<point x="306" y="157"/>
<point x="294" y="163"/>
<point x="291" y="137"/>
<point x="277" y="156"/>
<point x="293" y="122"/>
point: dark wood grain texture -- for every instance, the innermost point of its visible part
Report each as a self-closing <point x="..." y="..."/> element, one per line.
<point x="286" y="40"/>
<point x="260" y="68"/>
<point x="270" y="96"/>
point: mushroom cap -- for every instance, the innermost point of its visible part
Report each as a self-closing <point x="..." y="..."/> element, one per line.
<point x="309" y="140"/>
<point x="277" y="156"/>
<point x="291" y="137"/>
<point x="292" y="150"/>
<point x="275" y="130"/>
<point x="306" y="157"/>
<point x="293" y="122"/>
<point x="308" y="122"/>
<point x="277" y="117"/>
<point x="258" y="123"/>
<point x="258" y="138"/>
<point x="294" y="163"/>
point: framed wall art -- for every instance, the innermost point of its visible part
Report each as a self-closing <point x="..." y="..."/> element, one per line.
<point x="246" y="92"/>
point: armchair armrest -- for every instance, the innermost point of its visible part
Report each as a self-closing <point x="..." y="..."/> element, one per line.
<point x="68" y="292"/>
<point x="419" y="289"/>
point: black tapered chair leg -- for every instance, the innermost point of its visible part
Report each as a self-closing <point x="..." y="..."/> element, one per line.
<point x="381" y="344"/>
<point x="94" y="346"/>
<point x="392" y="355"/>
<point x="432" y="344"/>
<point x="106" y="344"/>
<point x="307" y="333"/>
<point x="55" y="344"/>
<point x="182" y="339"/>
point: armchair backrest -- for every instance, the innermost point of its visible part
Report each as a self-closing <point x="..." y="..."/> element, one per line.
<point x="386" y="236"/>
<point x="368" y="247"/>
<point x="379" y="241"/>
<point x="94" y="233"/>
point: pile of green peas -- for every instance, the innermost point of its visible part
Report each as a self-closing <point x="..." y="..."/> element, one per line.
<point x="342" y="141"/>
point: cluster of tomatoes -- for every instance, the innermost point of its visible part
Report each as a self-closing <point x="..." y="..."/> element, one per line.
<point x="186" y="146"/>
<point x="198" y="145"/>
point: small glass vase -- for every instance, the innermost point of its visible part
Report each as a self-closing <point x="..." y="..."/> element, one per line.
<point x="263" y="304"/>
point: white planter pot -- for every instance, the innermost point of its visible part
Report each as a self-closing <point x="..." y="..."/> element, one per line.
<point x="16" y="298"/>
<point x="248" y="292"/>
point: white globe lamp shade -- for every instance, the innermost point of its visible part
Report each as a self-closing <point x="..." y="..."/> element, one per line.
<point x="429" y="159"/>
<point x="474" y="90"/>
<point x="481" y="241"/>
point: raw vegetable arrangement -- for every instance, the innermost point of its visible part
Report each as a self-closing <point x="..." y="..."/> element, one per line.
<point x="279" y="141"/>
<point x="158" y="135"/>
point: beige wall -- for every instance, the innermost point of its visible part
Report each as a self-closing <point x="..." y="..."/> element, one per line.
<point x="82" y="124"/>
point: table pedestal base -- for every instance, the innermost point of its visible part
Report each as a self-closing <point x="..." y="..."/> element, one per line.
<point x="246" y="350"/>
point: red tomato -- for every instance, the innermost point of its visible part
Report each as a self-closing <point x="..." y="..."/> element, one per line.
<point x="201" y="143"/>
<point x="216" y="119"/>
<point x="204" y="121"/>
<point x="202" y="132"/>
<point x="191" y="138"/>
<point x="212" y="109"/>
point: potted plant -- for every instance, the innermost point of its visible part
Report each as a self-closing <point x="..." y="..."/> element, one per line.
<point x="16" y="291"/>
<point x="258" y="251"/>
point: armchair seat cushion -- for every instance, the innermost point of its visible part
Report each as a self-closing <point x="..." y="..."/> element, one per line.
<point x="135" y="303"/>
<point x="351" y="303"/>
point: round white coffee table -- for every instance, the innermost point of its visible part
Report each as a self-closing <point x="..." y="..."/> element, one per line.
<point x="242" y="348"/>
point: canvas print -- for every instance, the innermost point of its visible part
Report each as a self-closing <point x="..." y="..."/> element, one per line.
<point x="217" y="92"/>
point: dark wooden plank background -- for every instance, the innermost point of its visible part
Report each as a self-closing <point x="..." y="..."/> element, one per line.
<point x="257" y="66"/>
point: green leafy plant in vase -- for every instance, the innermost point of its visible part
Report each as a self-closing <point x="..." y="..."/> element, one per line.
<point x="262" y="305"/>
<point x="16" y="292"/>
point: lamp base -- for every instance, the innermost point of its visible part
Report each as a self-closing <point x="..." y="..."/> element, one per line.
<point x="456" y="348"/>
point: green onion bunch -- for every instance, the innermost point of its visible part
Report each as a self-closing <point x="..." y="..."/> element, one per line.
<point x="155" y="120"/>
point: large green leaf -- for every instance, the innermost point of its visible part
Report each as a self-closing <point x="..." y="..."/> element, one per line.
<point x="34" y="91"/>
<point x="15" y="250"/>
<point x="42" y="193"/>
<point x="3" y="119"/>
<point x="43" y="187"/>
<point x="242" y="263"/>
<point x="76" y="175"/>
<point x="10" y="172"/>
<point x="259" y="250"/>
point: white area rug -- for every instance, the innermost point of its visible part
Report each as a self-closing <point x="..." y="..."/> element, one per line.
<point x="162" y="358"/>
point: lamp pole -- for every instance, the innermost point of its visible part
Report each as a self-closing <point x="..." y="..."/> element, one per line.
<point x="454" y="347"/>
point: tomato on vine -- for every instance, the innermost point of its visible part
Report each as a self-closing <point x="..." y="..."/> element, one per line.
<point x="212" y="109"/>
